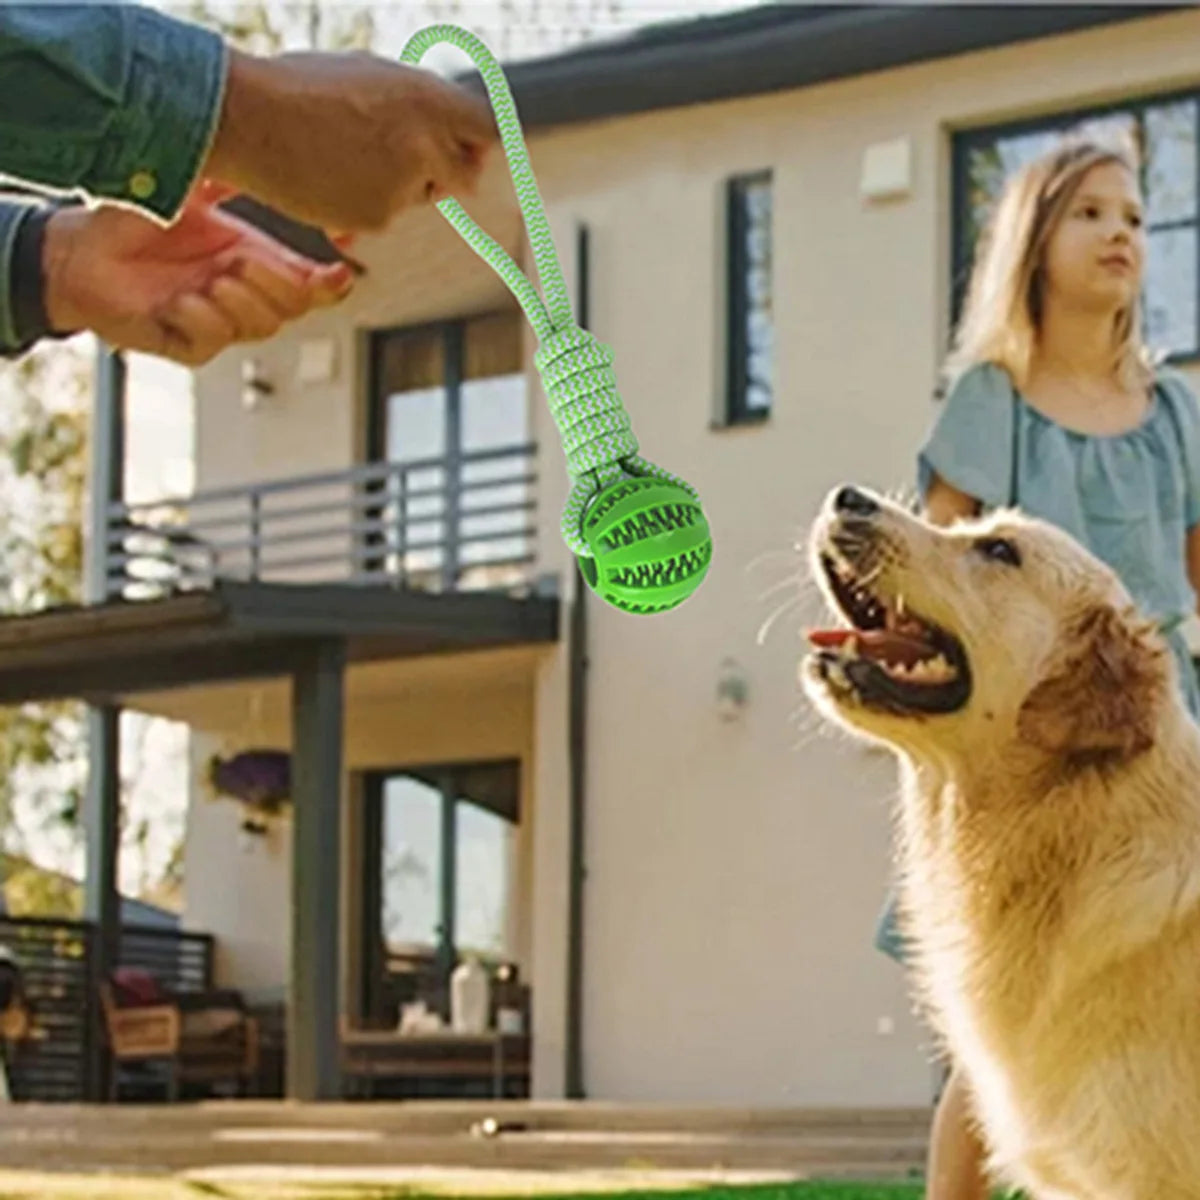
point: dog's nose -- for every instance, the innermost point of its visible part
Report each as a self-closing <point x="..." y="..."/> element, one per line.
<point x="851" y="500"/>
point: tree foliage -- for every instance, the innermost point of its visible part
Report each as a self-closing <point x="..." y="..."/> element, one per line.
<point x="511" y="28"/>
<point x="45" y="403"/>
<point x="269" y="28"/>
<point x="43" y="479"/>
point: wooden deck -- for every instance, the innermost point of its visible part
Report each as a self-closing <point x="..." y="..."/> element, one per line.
<point x="373" y="1137"/>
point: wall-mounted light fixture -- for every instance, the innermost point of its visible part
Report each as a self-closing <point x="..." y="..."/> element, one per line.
<point x="733" y="690"/>
<point x="252" y="832"/>
<point x="255" y="384"/>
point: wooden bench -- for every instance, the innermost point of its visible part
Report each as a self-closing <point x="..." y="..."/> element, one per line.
<point x="370" y="1055"/>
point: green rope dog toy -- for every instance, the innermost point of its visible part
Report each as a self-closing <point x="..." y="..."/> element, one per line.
<point x="639" y="533"/>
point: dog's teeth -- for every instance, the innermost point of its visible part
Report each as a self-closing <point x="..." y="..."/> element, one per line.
<point x="836" y="675"/>
<point x="941" y="667"/>
<point x="900" y="610"/>
<point x="923" y="671"/>
<point x="849" y="649"/>
<point x="932" y="670"/>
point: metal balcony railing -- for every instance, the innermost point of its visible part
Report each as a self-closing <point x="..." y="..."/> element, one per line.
<point x="465" y="521"/>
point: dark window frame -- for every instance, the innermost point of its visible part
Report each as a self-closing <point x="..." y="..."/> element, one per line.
<point x="444" y="776"/>
<point x="964" y="140"/>
<point x="736" y="411"/>
<point x="451" y="332"/>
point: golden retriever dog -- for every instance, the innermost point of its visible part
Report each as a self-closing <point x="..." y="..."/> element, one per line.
<point x="1049" y="830"/>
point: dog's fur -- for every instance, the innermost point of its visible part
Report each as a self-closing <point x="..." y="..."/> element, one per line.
<point x="1050" y="842"/>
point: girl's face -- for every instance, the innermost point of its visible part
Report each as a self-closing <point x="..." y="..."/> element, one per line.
<point x="1094" y="259"/>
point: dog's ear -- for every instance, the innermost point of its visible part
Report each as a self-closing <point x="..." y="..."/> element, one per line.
<point x="1101" y="697"/>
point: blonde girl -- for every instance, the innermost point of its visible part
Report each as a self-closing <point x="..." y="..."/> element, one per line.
<point x="1054" y="404"/>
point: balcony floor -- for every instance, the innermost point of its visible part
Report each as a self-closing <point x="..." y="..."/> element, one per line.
<point x="237" y="630"/>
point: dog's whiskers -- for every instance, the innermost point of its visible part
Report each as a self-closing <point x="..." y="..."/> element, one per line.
<point x="796" y="581"/>
<point x="905" y="496"/>
<point x="810" y="728"/>
<point x="770" y="556"/>
<point x="765" y="628"/>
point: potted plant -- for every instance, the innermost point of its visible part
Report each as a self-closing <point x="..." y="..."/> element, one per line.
<point x="259" y="780"/>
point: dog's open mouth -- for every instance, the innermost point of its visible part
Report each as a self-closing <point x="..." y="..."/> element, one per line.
<point x="889" y="657"/>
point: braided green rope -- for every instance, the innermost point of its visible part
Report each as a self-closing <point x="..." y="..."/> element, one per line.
<point x="639" y="532"/>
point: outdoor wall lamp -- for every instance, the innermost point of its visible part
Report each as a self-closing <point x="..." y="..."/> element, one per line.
<point x="251" y="833"/>
<point x="733" y="690"/>
<point x="255" y="384"/>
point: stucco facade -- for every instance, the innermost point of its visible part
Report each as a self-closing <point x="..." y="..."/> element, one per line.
<point x="734" y="868"/>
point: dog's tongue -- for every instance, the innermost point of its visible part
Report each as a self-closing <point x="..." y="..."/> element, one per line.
<point x="831" y="639"/>
<point x="885" y="644"/>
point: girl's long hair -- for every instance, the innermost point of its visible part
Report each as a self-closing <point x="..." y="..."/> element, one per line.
<point x="1002" y="315"/>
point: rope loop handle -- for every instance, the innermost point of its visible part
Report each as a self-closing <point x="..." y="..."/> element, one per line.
<point x="576" y="369"/>
<point x="556" y="313"/>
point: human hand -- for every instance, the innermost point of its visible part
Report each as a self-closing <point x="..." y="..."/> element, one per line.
<point x="185" y="292"/>
<point x="347" y="141"/>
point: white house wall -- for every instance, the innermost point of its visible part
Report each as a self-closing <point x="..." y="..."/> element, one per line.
<point x="734" y="870"/>
<point x="239" y="889"/>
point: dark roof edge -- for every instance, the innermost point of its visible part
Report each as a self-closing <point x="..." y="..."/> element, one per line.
<point x="795" y="49"/>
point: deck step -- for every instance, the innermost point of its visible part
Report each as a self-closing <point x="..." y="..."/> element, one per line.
<point x="531" y="1137"/>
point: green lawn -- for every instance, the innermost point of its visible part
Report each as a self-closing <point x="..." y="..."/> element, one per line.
<point x="791" y="1191"/>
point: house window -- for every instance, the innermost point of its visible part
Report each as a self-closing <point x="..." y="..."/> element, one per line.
<point x="449" y="406"/>
<point x="447" y="867"/>
<point x="751" y="299"/>
<point x="1164" y="131"/>
<point x="439" y="872"/>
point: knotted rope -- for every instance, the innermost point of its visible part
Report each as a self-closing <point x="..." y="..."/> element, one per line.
<point x="575" y="368"/>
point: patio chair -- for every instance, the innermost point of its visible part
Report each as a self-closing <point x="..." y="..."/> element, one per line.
<point x="202" y="1037"/>
<point x="15" y="1015"/>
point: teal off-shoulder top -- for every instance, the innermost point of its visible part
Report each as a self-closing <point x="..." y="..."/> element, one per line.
<point x="1130" y="498"/>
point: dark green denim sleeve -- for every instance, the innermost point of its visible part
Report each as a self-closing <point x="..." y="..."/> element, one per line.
<point x="118" y="101"/>
<point x="14" y="218"/>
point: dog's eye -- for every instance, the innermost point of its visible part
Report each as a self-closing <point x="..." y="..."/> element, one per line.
<point x="999" y="550"/>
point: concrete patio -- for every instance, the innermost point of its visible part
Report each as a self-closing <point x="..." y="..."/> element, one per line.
<point x="402" y="1142"/>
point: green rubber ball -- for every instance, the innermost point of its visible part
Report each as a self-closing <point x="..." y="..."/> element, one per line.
<point x="650" y="545"/>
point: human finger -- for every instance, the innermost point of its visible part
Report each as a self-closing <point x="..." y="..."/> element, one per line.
<point x="331" y="283"/>
<point x="195" y="329"/>
<point x="292" y="281"/>
<point x="251" y="312"/>
<point x="465" y="115"/>
<point x="288" y="287"/>
<point x="458" y="168"/>
<point x="417" y="175"/>
<point x="211" y="192"/>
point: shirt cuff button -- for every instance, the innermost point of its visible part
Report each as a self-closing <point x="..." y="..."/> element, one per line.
<point x="142" y="185"/>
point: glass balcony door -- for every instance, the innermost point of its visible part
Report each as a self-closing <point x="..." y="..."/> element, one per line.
<point x="439" y="876"/>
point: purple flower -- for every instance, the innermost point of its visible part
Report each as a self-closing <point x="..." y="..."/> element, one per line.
<point x="260" y="778"/>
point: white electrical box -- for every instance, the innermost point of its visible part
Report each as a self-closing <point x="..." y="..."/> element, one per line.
<point x="887" y="170"/>
<point x="317" y="362"/>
